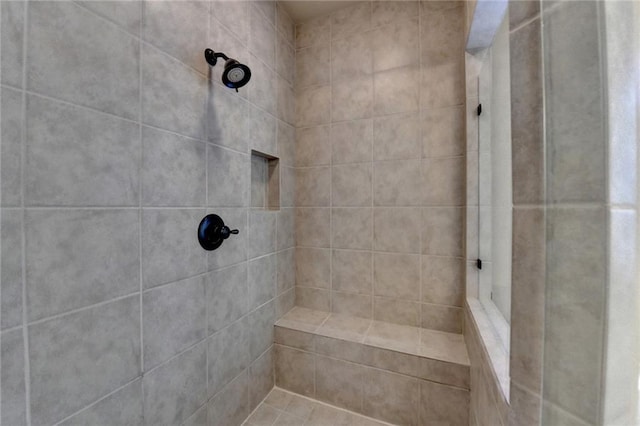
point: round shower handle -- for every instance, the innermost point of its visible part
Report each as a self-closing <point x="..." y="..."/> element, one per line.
<point x="212" y="232"/>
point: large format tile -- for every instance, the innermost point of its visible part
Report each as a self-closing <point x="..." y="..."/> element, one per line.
<point x="262" y="90"/>
<point x="262" y="233"/>
<point x="395" y="46"/>
<point x="170" y="249"/>
<point x="227" y="119"/>
<point x="11" y="278"/>
<point x="227" y="296"/>
<point x="396" y="275"/>
<point x="178" y="28"/>
<point x="228" y="174"/>
<point x="295" y="370"/>
<point x="351" y="57"/>
<point x="228" y="354"/>
<point x="261" y="329"/>
<point x="14" y="398"/>
<point x="351" y="185"/>
<point x="352" y="228"/>
<point x="395" y="229"/>
<point x="235" y="15"/>
<point x="64" y="353"/>
<point x="313" y="187"/>
<point x="314" y="31"/>
<point x="96" y="66"/>
<point x="313" y="267"/>
<point x="175" y="390"/>
<point x="173" y="170"/>
<point x="11" y="148"/>
<point x="391" y="397"/>
<point x="313" y="66"/>
<point x="230" y="407"/>
<point x="174" y="96"/>
<point x="262" y="40"/>
<point x="351" y="271"/>
<point x="396" y="137"/>
<point x="12" y="42"/>
<point x="65" y="272"/>
<point x="261" y="378"/>
<point x="339" y="382"/>
<point x="574" y="124"/>
<point x="123" y="407"/>
<point x="351" y="141"/>
<point x="127" y="14"/>
<point x="77" y="157"/>
<point x="262" y="280"/>
<point x="173" y="318"/>
<point x="441" y="404"/>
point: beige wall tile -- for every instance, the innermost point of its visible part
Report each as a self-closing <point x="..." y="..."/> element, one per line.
<point x="352" y="228"/>
<point x="442" y="231"/>
<point x="440" y="404"/>
<point x="395" y="46"/>
<point x="351" y="271"/>
<point x="294" y="338"/>
<point x="313" y="267"/>
<point x="351" y="57"/>
<point x="442" y="84"/>
<point x="444" y="372"/>
<point x="395" y="229"/>
<point x="312" y="32"/>
<point x="359" y="305"/>
<point x="351" y="185"/>
<point x="312" y="225"/>
<point x="396" y="137"/>
<point x="526" y="114"/>
<point x="396" y="275"/>
<point x="392" y="12"/>
<point x="313" y="186"/>
<point x="295" y="370"/>
<point x="395" y="90"/>
<point x="441" y="317"/>
<point x="313" y="146"/>
<point x="351" y="141"/>
<point x="313" y="66"/>
<point x="352" y="99"/>
<point x="443" y="132"/>
<point x="396" y="311"/>
<point x="397" y="183"/>
<point x="443" y="181"/>
<point x="350" y="20"/>
<point x="528" y="277"/>
<point x="442" y="280"/>
<point x="341" y="349"/>
<point x="313" y="106"/>
<point x="391" y="397"/>
<point x="339" y="382"/>
<point x="313" y="298"/>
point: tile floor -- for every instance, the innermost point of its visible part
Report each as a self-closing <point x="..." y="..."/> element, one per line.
<point x="283" y="408"/>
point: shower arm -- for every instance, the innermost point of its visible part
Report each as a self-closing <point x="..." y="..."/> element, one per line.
<point x="212" y="57"/>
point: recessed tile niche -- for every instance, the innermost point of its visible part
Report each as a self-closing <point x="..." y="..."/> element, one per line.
<point x="265" y="181"/>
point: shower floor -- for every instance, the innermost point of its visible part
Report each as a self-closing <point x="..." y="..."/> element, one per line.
<point x="284" y="408"/>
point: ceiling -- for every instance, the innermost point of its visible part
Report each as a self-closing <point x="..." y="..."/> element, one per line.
<point x="303" y="10"/>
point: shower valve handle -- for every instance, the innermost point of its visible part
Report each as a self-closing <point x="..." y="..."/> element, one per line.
<point x="212" y="232"/>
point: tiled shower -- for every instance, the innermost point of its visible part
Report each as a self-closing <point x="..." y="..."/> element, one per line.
<point x="349" y="166"/>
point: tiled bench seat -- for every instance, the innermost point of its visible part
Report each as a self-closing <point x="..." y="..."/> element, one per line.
<point x="400" y="374"/>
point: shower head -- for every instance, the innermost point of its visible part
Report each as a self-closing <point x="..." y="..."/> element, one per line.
<point x="235" y="74"/>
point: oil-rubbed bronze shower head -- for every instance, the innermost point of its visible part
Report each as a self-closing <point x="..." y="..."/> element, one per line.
<point x="235" y="74"/>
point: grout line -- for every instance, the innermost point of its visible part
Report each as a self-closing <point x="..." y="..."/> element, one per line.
<point x="331" y="290"/>
<point x="81" y="309"/>
<point x="97" y="401"/>
<point x="23" y="149"/>
<point x="140" y="196"/>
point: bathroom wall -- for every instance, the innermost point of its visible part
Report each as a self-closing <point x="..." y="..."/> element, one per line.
<point x="506" y="386"/>
<point x="116" y="140"/>
<point x="380" y="162"/>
